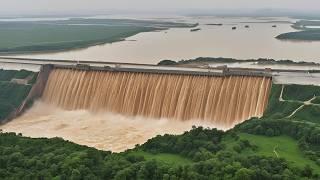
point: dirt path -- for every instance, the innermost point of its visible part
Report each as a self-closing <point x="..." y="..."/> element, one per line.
<point x="304" y="103"/>
<point x="275" y="151"/>
<point x="295" y="111"/>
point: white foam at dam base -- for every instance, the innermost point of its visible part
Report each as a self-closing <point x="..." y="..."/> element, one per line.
<point x="104" y="131"/>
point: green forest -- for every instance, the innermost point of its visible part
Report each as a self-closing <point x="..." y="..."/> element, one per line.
<point x="280" y="145"/>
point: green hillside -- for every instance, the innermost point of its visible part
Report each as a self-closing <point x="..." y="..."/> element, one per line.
<point x="293" y="97"/>
<point x="12" y="93"/>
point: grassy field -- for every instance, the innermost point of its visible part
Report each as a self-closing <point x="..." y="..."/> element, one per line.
<point x="171" y="159"/>
<point x="18" y="37"/>
<point x="308" y="113"/>
<point x="317" y="100"/>
<point x="285" y="147"/>
<point x="294" y="92"/>
<point x="11" y="96"/>
<point x="279" y="109"/>
<point x="7" y="75"/>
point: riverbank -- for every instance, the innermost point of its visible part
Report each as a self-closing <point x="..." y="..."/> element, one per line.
<point x="63" y="35"/>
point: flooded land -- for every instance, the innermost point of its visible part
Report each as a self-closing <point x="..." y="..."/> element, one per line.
<point x="232" y="37"/>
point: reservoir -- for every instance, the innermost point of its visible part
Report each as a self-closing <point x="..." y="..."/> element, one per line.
<point x="252" y="38"/>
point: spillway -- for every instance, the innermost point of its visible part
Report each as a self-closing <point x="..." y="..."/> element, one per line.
<point x="226" y="100"/>
<point x="112" y="108"/>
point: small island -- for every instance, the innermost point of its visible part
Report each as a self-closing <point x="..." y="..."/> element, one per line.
<point x="305" y="34"/>
<point x="194" y="30"/>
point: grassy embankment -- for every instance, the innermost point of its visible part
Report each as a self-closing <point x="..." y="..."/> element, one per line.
<point x="12" y="94"/>
<point x="42" y="36"/>
<point x="294" y="96"/>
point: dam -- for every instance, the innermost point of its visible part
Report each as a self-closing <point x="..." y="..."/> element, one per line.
<point x="116" y="106"/>
<point x="224" y="100"/>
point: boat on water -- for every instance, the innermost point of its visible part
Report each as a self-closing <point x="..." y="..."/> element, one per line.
<point x="214" y="24"/>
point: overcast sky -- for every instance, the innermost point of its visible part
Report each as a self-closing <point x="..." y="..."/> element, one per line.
<point x="84" y="6"/>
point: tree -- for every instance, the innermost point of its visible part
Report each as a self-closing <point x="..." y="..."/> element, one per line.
<point x="243" y="174"/>
<point x="167" y="62"/>
<point x="307" y="171"/>
<point x="75" y="174"/>
<point x="270" y="132"/>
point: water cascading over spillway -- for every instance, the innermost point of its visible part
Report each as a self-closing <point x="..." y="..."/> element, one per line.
<point x="226" y="100"/>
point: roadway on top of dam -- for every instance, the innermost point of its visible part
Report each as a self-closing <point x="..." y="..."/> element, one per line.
<point x="280" y="76"/>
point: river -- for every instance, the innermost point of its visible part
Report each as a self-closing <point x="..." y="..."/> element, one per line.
<point x="256" y="41"/>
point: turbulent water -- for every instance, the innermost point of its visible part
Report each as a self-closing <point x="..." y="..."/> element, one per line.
<point x="105" y="130"/>
<point x="117" y="110"/>
<point x="221" y="100"/>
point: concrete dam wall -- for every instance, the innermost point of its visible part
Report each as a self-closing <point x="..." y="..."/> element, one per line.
<point x="226" y="100"/>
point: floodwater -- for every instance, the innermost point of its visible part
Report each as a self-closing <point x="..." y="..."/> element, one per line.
<point x="104" y="131"/>
<point x="257" y="41"/>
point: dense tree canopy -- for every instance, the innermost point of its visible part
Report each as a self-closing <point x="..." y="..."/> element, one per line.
<point x="27" y="158"/>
